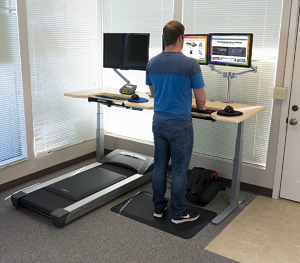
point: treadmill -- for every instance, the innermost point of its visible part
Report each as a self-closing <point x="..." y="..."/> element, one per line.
<point x="72" y="195"/>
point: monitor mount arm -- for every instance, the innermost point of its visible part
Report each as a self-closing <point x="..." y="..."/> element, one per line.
<point x="127" y="88"/>
<point x="229" y="76"/>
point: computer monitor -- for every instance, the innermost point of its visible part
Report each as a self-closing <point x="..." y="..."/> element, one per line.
<point x="126" y="50"/>
<point x="231" y="49"/>
<point x="195" y="46"/>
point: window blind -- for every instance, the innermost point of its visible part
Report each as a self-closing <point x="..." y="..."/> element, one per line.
<point x="263" y="19"/>
<point x="13" y="146"/>
<point x="133" y="16"/>
<point x="62" y="38"/>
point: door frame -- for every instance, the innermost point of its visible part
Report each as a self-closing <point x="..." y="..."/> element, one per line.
<point x="287" y="82"/>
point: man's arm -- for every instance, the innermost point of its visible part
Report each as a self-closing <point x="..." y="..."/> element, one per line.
<point x="200" y="97"/>
<point x="151" y="91"/>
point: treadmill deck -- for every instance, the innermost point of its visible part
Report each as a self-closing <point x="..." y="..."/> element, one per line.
<point x="72" y="189"/>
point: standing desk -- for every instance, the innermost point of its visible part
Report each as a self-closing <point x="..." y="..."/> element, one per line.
<point x="248" y="111"/>
<point x="123" y="102"/>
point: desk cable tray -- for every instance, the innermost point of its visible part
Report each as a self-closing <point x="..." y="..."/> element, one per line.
<point x="118" y="101"/>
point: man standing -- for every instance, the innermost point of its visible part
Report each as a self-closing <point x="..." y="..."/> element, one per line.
<point x="171" y="76"/>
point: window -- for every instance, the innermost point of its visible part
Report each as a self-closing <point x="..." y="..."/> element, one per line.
<point x="13" y="145"/>
<point x="263" y="19"/>
<point x="62" y="38"/>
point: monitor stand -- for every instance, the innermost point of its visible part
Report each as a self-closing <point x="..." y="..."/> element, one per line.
<point x="229" y="76"/>
<point x="128" y="88"/>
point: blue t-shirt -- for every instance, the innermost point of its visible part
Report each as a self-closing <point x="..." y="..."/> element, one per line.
<point x="173" y="76"/>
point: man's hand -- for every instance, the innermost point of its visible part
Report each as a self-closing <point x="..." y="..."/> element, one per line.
<point x="151" y="91"/>
<point x="204" y="108"/>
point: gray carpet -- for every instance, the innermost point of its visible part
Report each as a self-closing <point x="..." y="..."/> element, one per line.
<point x="103" y="236"/>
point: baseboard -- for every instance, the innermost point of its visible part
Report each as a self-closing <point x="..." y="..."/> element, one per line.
<point x="249" y="187"/>
<point x="36" y="175"/>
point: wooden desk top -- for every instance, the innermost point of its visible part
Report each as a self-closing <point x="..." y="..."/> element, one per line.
<point x="248" y="110"/>
<point x="114" y="92"/>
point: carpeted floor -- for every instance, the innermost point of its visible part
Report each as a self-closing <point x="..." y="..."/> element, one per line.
<point x="103" y="236"/>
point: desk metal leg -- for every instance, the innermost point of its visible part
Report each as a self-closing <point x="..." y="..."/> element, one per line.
<point x="235" y="200"/>
<point x="100" y="133"/>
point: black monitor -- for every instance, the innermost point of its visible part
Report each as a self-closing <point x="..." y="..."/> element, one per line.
<point x="126" y="50"/>
<point x="231" y="49"/>
<point x="196" y="46"/>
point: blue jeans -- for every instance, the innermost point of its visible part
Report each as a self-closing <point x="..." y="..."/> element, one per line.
<point x="177" y="144"/>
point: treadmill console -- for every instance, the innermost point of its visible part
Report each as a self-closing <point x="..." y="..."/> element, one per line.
<point x="134" y="155"/>
<point x="138" y="162"/>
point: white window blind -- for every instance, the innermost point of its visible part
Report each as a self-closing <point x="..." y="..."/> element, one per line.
<point x="263" y="19"/>
<point x="62" y="40"/>
<point x="133" y="16"/>
<point x="13" y="146"/>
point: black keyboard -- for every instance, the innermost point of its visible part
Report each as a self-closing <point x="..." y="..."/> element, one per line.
<point x="203" y="111"/>
<point x="110" y="97"/>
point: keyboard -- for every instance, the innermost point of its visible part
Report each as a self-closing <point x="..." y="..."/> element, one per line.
<point x="208" y="111"/>
<point x="110" y="97"/>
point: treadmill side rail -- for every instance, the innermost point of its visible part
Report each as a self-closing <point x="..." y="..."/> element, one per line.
<point x="60" y="178"/>
<point x="104" y="196"/>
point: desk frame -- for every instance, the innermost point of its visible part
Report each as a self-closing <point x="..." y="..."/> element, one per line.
<point x="99" y="133"/>
<point x="235" y="199"/>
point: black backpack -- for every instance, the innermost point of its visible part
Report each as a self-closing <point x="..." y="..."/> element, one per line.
<point x="202" y="185"/>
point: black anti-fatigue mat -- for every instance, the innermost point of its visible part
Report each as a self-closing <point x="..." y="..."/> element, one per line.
<point x="140" y="208"/>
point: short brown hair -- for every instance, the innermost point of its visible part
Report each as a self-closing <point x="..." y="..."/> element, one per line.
<point x="171" y="32"/>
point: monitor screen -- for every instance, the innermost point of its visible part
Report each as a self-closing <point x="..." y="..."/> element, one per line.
<point x="231" y="49"/>
<point x="126" y="50"/>
<point x="136" y="51"/>
<point x="195" y="46"/>
<point x="113" y="50"/>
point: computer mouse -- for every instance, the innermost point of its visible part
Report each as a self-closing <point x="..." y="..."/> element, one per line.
<point x="135" y="97"/>
<point x="229" y="109"/>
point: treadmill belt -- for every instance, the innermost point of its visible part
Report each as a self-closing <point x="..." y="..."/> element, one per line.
<point x="140" y="208"/>
<point x="85" y="183"/>
<point x="119" y="169"/>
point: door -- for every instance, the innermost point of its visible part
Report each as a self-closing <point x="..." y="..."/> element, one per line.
<point x="290" y="184"/>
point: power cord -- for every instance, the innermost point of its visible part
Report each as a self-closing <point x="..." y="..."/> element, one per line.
<point x="169" y="173"/>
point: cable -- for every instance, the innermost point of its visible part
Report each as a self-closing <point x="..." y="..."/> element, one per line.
<point x="169" y="173"/>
